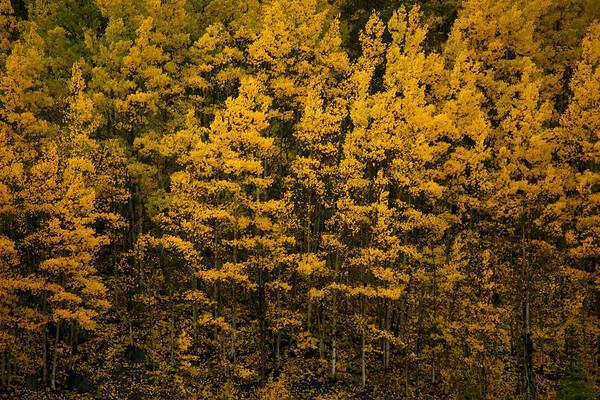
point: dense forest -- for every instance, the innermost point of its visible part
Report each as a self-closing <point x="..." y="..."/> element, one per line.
<point x="299" y="199"/>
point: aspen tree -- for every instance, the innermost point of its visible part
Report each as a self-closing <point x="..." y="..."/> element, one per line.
<point x="577" y="159"/>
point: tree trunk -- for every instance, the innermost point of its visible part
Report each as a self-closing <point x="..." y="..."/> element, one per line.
<point x="55" y="358"/>
<point x="45" y="358"/>
<point x="386" y="345"/>
<point x="75" y="339"/>
<point x="362" y="358"/>
<point x="130" y="331"/>
<point x="216" y="308"/>
<point x="172" y="327"/>
<point x="309" y="306"/>
<point x="262" y="322"/>
<point x="406" y="378"/>
<point x="363" y="340"/>
<point x="527" y="344"/>
<point x="334" y="321"/>
<point x="3" y="369"/>
<point x="277" y="351"/>
<point x="195" y="311"/>
<point x="217" y="294"/>
<point x="528" y="347"/>
<point x="333" y="354"/>
<point x="233" y="302"/>
<point x="278" y="333"/>
<point x="233" y="323"/>
<point x="9" y="371"/>
<point x="321" y="335"/>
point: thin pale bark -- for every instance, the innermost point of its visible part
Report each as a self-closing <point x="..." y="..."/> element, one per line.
<point x="278" y="333"/>
<point x="233" y="302"/>
<point x="233" y="325"/>
<point x="362" y="358"/>
<point x="309" y="306"/>
<point x="386" y="351"/>
<point x="55" y="358"/>
<point x="45" y="358"/>
<point x="321" y="335"/>
<point x="334" y="324"/>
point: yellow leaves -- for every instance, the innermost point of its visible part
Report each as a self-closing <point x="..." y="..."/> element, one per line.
<point x="371" y="42"/>
<point x="319" y="127"/>
<point x="232" y="272"/>
<point x="590" y="46"/>
<point x="184" y="341"/>
<point x="390" y="275"/>
<point x="63" y="314"/>
<point x="81" y="116"/>
<point x="407" y="64"/>
<point x="339" y="287"/>
<point x="197" y="296"/>
<point x="377" y="333"/>
<point x="316" y="294"/>
<point x="307" y="171"/>
<point x="366" y="291"/>
<point x="311" y="264"/>
<point x="297" y="49"/>
<point x="279" y="286"/>
<point x="306" y="341"/>
<point x="263" y="224"/>
<point x="65" y="297"/>
<point x="406" y="29"/>
<point x="93" y="288"/>
<point x="8" y="254"/>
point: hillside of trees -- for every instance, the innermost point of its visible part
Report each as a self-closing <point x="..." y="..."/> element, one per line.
<point x="299" y="199"/>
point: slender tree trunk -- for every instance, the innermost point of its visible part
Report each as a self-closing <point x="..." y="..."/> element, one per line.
<point x="3" y="369"/>
<point x="72" y="334"/>
<point x="527" y="344"/>
<point x="334" y="337"/>
<point x="277" y="351"/>
<point x="309" y="306"/>
<point x="217" y="294"/>
<point x="195" y="311"/>
<point x="528" y="347"/>
<point x="363" y="323"/>
<point x="130" y="210"/>
<point x="362" y="358"/>
<point x="363" y="368"/>
<point x="334" y="323"/>
<point x="233" y="325"/>
<point x="386" y="350"/>
<point x="278" y="333"/>
<point x="9" y="371"/>
<point x="131" y="331"/>
<point x="480" y="381"/>
<point x="172" y="327"/>
<point x="433" y="369"/>
<point x="321" y="335"/>
<point x="262" y="323"/>
<point x="44" y="357"/>
<point x="333" y="355"/>
<point x="55" y="357"/>
<point x="406" y="378"/>
<point x="216" y="308"/>
<point x="233" y="301"/>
